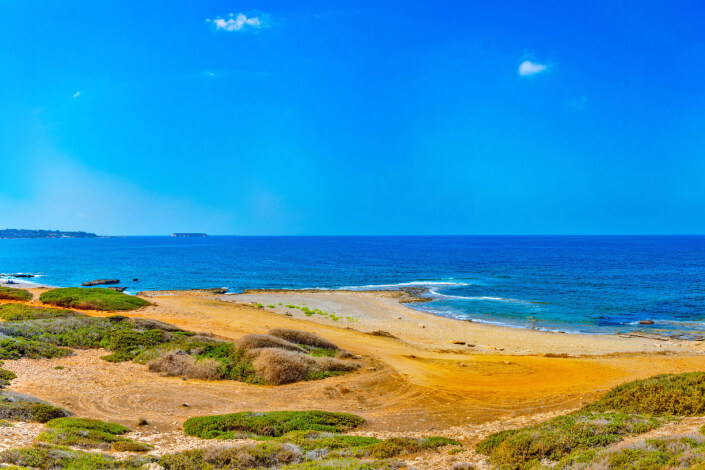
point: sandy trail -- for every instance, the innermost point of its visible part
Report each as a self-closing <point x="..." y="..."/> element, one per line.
<point x="417" y="383"/>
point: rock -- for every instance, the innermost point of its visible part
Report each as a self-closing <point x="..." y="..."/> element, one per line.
<point x="646" y="322"/>
<point x="397" y="318"/>
<point x="135" y="280"/>
<point x="118" y="289"/>
<point x="185" y="405"/>
<point x="217" y="290"/>
<point x="421" y="325"/>
<point x="462" y="466"/>
<point x="462" y="343"/>
<point x="99" y="282"/>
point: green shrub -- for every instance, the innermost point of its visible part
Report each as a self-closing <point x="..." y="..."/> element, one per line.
<point x="88" y="424"/>
<point x="339" y="464"/>
<point x="17" y="409"/>
<point x="675" y="452"/>
<point x="91" y="434"/>
<point x="561" y="436"/>
<point x="55" y="457"/>
<point x="669" y="394"/>
<point x="404" y="445"/>
<point x="6" y="376"/>
<point x="11" y="348"/>
<point x="275" y="423"/>
<point x="10" y="293"/>
<point x="15" y="312"/>
<point x="95" y="298"/>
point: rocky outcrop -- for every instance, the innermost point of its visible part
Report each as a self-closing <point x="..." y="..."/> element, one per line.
<point x="99" y="282"/>
<point x="646" y="322"/>
<point x="118" y="289"/>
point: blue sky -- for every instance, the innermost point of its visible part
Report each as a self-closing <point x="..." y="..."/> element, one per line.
<point x="319" y="117"/>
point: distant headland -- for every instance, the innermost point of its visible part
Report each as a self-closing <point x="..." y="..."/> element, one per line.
<point x="189" y="235"/>
<point x="21" y="233"/>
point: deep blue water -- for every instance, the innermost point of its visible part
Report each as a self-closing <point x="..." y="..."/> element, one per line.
<point x="586" y="284"/>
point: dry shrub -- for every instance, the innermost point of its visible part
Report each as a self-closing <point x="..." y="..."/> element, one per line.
<point x="178" y="363"/>
<point x="302" y="337"/>
<point x="266" y="341"/>
<point x="278" y="366"/>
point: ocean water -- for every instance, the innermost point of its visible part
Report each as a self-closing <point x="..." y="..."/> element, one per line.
<point x="574" y="284"/>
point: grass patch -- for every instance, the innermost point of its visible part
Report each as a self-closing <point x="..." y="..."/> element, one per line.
<point x="10" y="293"/>
<point x="275" y="423"/>
<point x="669" y="394"/>
<point x="17" y="312"/>
<point x="96" y="298"/>
<point x="555" y="439"/>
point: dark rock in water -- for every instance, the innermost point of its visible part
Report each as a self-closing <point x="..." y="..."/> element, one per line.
<point x="118" y="289"/>
<point x="19" y="276"/>
<point x="646" y="322"/>
<point x="99" y="282"/>
<point x="135" y="280"/>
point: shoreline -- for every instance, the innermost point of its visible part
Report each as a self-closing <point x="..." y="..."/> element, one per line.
<point x="405" y="295"/>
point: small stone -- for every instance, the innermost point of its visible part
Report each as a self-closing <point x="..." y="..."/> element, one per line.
<point x="421" y="325"/>
<point x="462" y="466"/>
<point x="185" y="405"/>
<point x="646" y="322"/>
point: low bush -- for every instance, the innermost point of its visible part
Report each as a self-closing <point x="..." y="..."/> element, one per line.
<point x="555" y="439"/>
<point x="278" y="366"/>
<point x="96" y="298"/>
<point x="303" y="338"/>
<point x="17" y="409"/>
<point x="267" y="341"/>
<point x="10" y="293"/>
<point x="179" y="363"/>
<point x="6" y="376"/>
<point x="275" y="423"/>
<point x="340" y="464"/>
<point x="90" y="434"/>
<point x="673" y="452"/>
<point x="55" y="457"/>
<point x="11" y="348"/>
<point x="16" y="312"/>
<point x="337" y="445"/>
<point x="669" y="394"/>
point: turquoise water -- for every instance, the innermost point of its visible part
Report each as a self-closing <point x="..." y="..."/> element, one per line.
<point x="574" y="284"/>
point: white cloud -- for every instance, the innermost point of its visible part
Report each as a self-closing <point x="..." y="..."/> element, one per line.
<point x="77" y="94"/>
<point x="528" y="68"/>
<point x="237" y="22"/>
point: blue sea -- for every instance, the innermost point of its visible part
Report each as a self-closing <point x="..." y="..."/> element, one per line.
<point x="596" y="284"/>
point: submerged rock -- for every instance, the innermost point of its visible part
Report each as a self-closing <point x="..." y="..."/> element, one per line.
<point x="646" y="322"/>
<point x="118" y="289"/>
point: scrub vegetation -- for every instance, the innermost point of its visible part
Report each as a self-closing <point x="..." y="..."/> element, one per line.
<point x="590" y="438"/>
<point x="10" y="293"/>
<point x="36" y="332"/>
<point x="95" y="298"/>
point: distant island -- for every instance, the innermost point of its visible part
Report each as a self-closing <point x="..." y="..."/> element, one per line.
<point x="189" y="235"/>
<point x="21" y="233"/>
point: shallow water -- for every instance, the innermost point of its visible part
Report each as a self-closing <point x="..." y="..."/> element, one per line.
<point x="577" y="284"/>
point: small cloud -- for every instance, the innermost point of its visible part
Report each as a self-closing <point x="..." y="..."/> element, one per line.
<point x="237" y="22"/>
<point x="528" y="68"/>
<point x="77" y="94"/>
